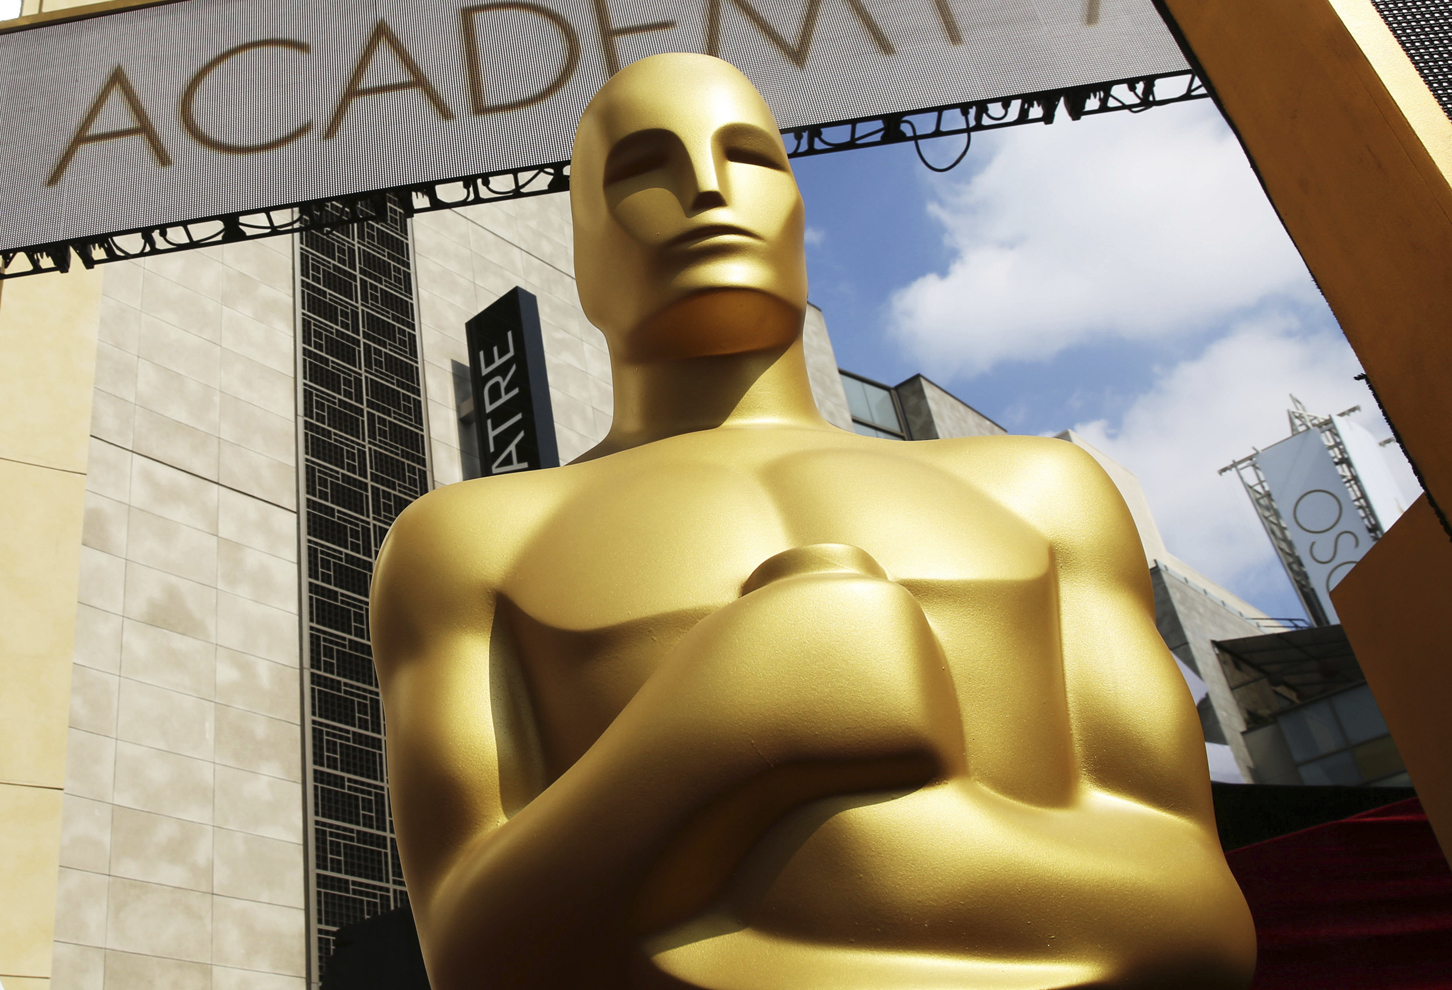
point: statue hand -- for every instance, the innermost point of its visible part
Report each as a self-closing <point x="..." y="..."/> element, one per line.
<point x="823" y="659"/>
<point x="823" y="679"/>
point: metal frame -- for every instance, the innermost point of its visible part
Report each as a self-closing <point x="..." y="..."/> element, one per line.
<point x="1133" y="95"/>
<point x="1310" y="663"/>
<point x="1302" y="420"/>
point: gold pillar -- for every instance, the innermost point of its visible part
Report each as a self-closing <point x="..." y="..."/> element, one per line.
<point x="48" y="329"/>
<point x="1356" y="155"/>
<point x="1393" y="604"/>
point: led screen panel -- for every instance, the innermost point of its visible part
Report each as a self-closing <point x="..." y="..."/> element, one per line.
<point x="203" y="108"/>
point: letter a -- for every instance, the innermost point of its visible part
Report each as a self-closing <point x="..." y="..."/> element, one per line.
<point x="383" y="35"/>
<point x="116" y="82"/>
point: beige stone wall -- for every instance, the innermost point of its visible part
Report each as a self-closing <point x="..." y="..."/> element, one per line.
<point x="465" y="260"/>
<point x="181" y="855"/>
<point x="47" y="353"/>
<point x="822" y="371"/>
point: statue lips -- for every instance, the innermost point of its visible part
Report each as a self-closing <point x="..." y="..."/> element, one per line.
<point x="710" y="234"/>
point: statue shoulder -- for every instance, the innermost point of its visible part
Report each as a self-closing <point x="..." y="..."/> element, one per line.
<point x="473" y="525"/>
<point x="1054" y="485"/>
<point x="448" y="551"/>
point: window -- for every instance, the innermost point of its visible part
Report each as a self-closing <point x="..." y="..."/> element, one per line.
<point x="9" y="9"/>
<point x="874" y="408"/>
<point x="1342" y="740"/>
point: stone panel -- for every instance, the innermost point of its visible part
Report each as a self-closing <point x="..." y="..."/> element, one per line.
<point x="190" y="542"/>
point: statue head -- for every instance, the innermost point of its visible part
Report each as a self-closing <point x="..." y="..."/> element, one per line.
<point x="688" y="221"/>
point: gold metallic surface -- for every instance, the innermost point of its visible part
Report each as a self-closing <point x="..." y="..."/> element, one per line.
<point x="1391" y="606"/>
<point x="740" y="701"/>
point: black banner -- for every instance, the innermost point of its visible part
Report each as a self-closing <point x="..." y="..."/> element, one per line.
<point x="513" y="421"/>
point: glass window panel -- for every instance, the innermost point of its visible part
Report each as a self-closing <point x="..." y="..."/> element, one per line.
<point x="1360" y="717"/>
<point x="871" y="404"/>
<point x="1402" y="779"/>
<point x="1378" y="758"/>
<point x="857" y="397"/>
<point x="872" y="431"/>
<point x="884" y="411"/>
<point x="1339" y="769"/>
<point x="1311" y="731"/>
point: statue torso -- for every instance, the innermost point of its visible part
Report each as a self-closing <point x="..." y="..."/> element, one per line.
<point x="647" y="542"/>
<point x="636" y="548"/>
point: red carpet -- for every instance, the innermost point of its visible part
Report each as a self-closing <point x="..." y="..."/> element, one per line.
<point x="1360" y="904"/>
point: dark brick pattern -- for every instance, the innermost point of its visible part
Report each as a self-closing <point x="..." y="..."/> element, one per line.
<point x="363" y="461"/>
<point x="1424" y="29"/>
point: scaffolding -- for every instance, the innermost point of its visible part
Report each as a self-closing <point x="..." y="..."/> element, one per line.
<point x="1302" y="420"/>
<point x="1248" y="471"/>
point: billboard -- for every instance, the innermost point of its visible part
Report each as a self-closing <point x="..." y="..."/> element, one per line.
<point x="165" y="114"/>
<point x="1385" y="494"/>
<point x="1317" y="510"/>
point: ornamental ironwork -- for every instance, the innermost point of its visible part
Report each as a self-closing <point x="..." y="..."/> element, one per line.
<point x="963" y="120"/>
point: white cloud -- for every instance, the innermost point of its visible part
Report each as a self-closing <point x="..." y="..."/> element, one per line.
<point x="1124" y="226"/>
<point x="1216" y="407"/>
<point x="814" y="237"/>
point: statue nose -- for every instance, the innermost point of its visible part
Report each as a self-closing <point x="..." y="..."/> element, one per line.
<point x="706" y="192"/>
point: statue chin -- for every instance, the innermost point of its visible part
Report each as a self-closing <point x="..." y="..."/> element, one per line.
<point x="715" y="321"/>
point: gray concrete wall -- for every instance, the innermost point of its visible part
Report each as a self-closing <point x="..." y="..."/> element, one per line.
<point x="934" y="413"/>
<point x="466" y="259"/>
<point x="822" y="370"/>
<point x="1189" y="618"/>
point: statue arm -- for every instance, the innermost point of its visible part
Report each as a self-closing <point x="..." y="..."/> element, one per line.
<point x="1135" y="728"/>
<point x="731" y="731"/>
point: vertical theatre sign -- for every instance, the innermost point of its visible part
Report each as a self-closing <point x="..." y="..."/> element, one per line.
<point x="513" y="422"/>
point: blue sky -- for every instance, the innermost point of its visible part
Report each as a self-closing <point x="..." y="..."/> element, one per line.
<point x="1120" y="275"/>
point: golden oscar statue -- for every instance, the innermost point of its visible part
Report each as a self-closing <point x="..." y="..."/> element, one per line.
<point x="741" y="701"/>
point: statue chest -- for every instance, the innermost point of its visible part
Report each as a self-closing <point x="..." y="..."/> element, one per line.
<point x="627" y="567"/>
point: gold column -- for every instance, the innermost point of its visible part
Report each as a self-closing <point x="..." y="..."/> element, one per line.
<point x="1393" y="604"/>
<point x="48" y="329"/>
<point x="1356" y="155"/>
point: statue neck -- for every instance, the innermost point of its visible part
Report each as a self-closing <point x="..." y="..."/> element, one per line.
<point x="656" y="400"/>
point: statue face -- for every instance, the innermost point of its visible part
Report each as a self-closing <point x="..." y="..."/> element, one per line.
<point x="688" y="221"/>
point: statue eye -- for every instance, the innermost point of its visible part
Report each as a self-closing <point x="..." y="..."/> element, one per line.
<point x="641" y="152"/>
<point x="748" y="144"/>
<point x="751" y="156"/>
<point x="628" y="166"/>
